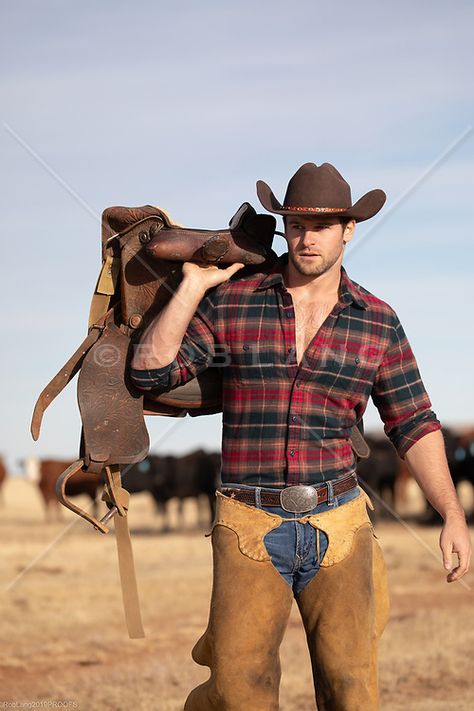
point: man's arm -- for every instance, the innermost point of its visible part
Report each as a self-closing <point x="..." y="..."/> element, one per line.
<point x="427" y="462"/>
<point x="405" y="408"/>
<point x="162" y="340"/>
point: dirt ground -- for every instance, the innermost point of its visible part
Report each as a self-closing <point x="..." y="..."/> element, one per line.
<point x="64" y="640"/>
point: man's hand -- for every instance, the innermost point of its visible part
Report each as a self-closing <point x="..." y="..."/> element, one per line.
<point x="455" y="538"/>
<point x="162" y="339"/>
<point x="202" y="277"/>
<point x="427" y="462"/>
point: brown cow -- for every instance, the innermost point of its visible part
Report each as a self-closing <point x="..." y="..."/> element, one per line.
<point x="46" y="472"/>
<point x="3" y="476"/>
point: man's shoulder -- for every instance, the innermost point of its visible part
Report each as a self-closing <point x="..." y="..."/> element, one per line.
<point x="375" y="305"/>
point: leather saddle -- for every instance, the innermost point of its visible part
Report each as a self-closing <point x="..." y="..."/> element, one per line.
<point x="143" y="251"/>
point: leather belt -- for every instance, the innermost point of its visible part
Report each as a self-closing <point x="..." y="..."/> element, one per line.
<point x="295" y="499"/>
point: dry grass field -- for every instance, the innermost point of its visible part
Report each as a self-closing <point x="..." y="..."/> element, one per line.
<point x="63" y="636"/>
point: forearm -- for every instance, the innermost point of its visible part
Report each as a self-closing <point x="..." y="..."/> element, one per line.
<point x="427" y="462"/>
<point x="162" y="339"/>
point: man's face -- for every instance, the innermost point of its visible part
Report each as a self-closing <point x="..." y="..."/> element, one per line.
<point x="315" y="244"/>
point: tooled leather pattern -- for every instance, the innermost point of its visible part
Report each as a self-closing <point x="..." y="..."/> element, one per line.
<point x="113" y="424"/>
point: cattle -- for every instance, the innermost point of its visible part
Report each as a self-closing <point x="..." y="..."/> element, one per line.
<point x="45" y="474"/>
<point x="194" y="475"/>
<point x="461" y="459"/>
<point x="460" y="455"/>
<point x="138" y="478"/>
<point x="3" y="476"/>
<point x="378" y="475"/>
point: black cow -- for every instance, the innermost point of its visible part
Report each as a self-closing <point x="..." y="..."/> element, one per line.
<point x="378" y="475"/>
<point x="461" y="461"/>
<point x="3" y="476"/>
<point x="460" y="456"/>
<point x="167" y="477"/>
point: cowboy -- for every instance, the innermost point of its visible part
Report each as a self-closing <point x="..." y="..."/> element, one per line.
<point x="302" y="348"/>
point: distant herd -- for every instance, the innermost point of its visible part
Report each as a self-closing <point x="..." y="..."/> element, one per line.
<point x="197" y="476"/>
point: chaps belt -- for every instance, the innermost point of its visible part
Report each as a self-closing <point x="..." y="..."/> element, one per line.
<point x="295" y="499"/>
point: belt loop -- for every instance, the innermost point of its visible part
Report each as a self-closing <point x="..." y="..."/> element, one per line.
<point x="258" y="498"/>
<point x="331" y="499"/>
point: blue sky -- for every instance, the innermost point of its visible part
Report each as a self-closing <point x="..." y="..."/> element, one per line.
<point x="187" y="105"/>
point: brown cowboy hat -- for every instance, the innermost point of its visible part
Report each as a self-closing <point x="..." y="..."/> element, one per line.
<point x="320" y="190"/>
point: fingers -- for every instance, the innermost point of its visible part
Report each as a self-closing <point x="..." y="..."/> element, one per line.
<point x="234" y="268"/>
<point x="206" y="266"/>
<point x="464" y="558"/>
<point x="201" y="275"/>
<point x="447" y="549"/>
<point x="455" y="538"/>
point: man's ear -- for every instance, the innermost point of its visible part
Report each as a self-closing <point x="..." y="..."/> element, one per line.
<point x="348" y="233"/>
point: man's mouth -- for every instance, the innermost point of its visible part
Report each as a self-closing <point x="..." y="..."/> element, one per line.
<point x="308" y="254"/>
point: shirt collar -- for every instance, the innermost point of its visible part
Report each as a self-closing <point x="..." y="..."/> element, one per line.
<point x="349" y="291"/>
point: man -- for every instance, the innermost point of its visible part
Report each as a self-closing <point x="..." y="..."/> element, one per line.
<point x="302" y="349"/>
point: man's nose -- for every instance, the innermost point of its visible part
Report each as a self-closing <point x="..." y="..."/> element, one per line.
<point x="308" y="237"/>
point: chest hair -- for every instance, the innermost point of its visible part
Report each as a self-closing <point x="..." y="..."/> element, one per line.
<point x="309" y="316"/>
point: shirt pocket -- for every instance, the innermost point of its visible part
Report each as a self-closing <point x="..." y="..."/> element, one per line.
<point x="349" y="373"/>
<point x="251" y="363"/>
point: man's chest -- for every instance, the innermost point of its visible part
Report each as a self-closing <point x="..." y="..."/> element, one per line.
<point x="309" y="317"/>
<point x="273" y="341"/>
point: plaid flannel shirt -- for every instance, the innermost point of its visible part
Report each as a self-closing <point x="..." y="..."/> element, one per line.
<point x="285" y="424"/>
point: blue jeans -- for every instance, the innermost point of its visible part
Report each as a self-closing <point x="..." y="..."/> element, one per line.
<point x="297" y="549"/>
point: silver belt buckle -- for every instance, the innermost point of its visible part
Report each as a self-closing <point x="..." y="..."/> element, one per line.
<point x="298" y="499"/>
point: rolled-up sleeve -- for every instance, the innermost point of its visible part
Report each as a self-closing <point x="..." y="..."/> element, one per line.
<point x="195" y="355"/>
<point x="400" y="396"/>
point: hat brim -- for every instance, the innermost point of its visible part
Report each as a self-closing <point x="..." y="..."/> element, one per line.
<point x="365" y="208"/>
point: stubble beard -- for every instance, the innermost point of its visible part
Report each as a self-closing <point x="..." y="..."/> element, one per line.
<point x="312" y="267"/>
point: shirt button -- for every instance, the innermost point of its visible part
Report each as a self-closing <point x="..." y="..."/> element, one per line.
<point x="357" y="360"/>
<point x="294" y="418"/>
<point x="297" y="384"/>
<point x="288" y="314"/>
<point x="291" y="350"/>
<point x="246" y="347"/>
<point x="292" y="452"/>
